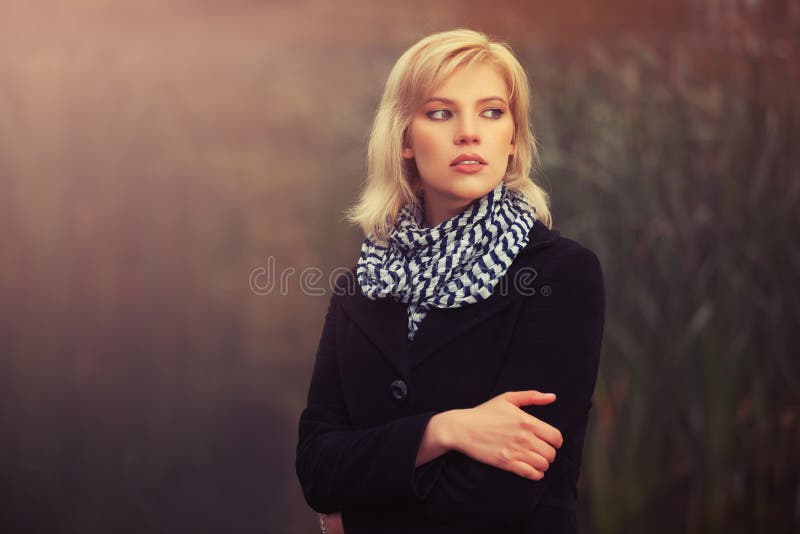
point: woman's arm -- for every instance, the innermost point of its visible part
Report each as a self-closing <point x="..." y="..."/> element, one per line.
<point x="436" y="439"/>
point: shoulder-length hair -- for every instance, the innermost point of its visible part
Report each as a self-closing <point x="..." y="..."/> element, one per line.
<point x="392" y="181"/>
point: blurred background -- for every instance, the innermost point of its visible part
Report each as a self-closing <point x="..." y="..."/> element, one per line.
<point x="158" y="158"/>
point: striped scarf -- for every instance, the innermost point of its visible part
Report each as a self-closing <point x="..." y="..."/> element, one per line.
<point x="455" y="263"/>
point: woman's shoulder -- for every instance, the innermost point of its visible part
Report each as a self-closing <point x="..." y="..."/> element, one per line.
<point x="554" y="256"/>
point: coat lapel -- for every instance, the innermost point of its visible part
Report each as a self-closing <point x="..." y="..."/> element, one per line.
<point x="442" y="325"/>
<point x="385" y="321"/>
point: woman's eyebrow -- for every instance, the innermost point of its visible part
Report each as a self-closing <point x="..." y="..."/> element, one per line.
<point x="452" y="103"/>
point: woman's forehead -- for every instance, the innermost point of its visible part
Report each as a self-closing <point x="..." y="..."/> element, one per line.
<point x="478" y="83"/>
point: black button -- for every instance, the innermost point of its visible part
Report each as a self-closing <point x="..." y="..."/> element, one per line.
<point x="399" y="389"/>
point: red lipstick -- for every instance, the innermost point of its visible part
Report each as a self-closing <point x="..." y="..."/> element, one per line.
<point x="468" y="163"/>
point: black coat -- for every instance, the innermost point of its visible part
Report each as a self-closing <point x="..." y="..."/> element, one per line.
<point x="372" y="394"/>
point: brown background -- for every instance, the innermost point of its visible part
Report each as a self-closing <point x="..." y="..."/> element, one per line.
<point x="154" y="155"/>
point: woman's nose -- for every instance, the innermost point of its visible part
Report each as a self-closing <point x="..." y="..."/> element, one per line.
<point x="467" y="132"/>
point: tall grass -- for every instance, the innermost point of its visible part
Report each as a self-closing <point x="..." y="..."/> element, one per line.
<point x="686" y="181"/>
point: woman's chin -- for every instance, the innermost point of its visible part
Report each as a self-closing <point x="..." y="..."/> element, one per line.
<point x="469" y="191"/>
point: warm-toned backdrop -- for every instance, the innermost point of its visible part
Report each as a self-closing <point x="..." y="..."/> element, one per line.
<point x="161" y="162"/>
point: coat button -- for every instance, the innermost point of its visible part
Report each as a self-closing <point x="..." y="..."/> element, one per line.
<point x="399" y="389"/>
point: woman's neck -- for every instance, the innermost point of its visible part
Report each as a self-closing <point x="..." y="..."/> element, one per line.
<point x="437" y="212"/>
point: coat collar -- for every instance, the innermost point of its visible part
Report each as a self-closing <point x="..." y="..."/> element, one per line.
<point x="385" y="321"/>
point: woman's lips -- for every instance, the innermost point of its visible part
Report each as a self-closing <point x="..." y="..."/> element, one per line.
<point x="468" y="168"/>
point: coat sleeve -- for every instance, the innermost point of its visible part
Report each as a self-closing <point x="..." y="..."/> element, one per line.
<point x="555" y="348"/>
<point x="340" y="467"/>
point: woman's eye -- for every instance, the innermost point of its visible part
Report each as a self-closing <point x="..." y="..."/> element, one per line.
<point x="496" y="111"/>
<point x="442" y="114"/>
<point x="437" y="114"/>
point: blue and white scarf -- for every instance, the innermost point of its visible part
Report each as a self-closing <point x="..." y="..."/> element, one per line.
<point x="455" y="263"/>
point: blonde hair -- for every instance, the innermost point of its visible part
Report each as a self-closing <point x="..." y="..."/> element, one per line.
<point x="392" y="180"/>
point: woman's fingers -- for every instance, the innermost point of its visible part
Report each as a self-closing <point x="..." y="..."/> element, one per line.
<point x="526" y="470"/>
<point x="500" y="433"/>
<point x="528" y="397"/>
<point x="534" y="452"/>
<point x="536" y="460"/>
<point x="544" y="450"/>
<point x="543" y="431"/>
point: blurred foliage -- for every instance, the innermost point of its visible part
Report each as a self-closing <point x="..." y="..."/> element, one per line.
<point x="687" y="184"/>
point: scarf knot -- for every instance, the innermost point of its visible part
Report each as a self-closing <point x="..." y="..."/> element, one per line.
<point x="455" y="263"/>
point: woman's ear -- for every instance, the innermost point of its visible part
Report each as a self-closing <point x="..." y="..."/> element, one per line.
<point x="408" y="151"/>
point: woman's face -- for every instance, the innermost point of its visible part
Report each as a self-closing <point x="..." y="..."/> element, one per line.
<point x="466" y="118"/>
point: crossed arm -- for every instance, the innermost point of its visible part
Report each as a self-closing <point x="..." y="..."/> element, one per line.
<point x="371" y="475"/>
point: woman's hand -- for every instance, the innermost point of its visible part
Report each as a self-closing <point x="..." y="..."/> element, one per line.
<point x="497" y="433"/>
<point x="333" y="523"/>
<point x="500" y="434"/>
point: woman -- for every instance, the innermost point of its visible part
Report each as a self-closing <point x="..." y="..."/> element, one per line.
<point x="456" y="366"/>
